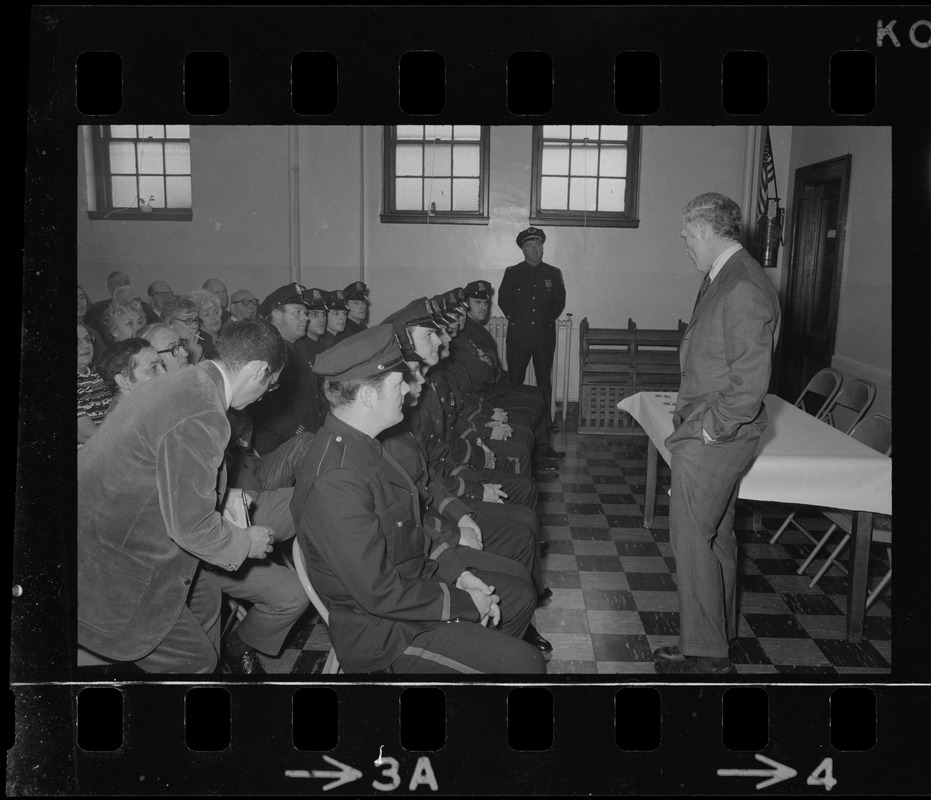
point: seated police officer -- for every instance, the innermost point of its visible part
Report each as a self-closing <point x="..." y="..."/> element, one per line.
<point x="396" y="602"/>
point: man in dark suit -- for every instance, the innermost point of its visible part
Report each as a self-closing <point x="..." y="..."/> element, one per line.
<point x="726" y="360"/>
<point x="149" y="485"/>
<point x="390" y="589"/>
<point x="532" y="296"/>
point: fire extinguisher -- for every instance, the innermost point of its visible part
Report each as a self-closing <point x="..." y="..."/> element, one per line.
<point x="769" y="232"/>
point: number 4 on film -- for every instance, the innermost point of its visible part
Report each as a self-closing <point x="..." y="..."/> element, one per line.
<point x="822" y="775"/>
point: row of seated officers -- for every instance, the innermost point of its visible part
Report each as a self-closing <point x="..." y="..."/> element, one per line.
<point x="402" y="456"/>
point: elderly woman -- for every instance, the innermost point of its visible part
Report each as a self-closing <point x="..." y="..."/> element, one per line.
<point x="167" y="344"/>
<point x="121" y="320"/>
<point x="84" y="303"/>
<point x="211" y="312"/>
<point x="93" y="395"/>
<point x="180" y="314"/>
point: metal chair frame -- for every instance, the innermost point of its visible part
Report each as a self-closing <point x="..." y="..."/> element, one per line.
<point x="856" y="396"/>
<point x="875" y="431"/>
<point x="331" y="667"/>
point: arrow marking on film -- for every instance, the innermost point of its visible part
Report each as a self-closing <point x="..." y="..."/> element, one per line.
<point x="346" y="774"/>
<point x="780" y="773"/>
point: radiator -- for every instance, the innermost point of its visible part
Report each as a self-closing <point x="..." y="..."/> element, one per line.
<point x="498" y="328"/>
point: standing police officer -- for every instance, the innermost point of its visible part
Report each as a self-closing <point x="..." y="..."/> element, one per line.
<point x="532" y="296"/>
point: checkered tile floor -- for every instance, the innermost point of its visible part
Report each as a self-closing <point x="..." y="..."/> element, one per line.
<point x="614" y="590"/>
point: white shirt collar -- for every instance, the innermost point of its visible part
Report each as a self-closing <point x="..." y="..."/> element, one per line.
<point x="721" y="260"/>
<point x="227" y="386"/>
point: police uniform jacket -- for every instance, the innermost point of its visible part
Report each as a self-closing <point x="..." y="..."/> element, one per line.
<point x="475" y="349"/>
<point x="532" y="298"/>
<point x="369" y="558"/>
<point x="149" y="484"/>
<point x="298" y="405"/>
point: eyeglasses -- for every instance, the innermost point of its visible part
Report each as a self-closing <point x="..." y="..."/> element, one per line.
<point x="162" y="294"/>
<point x="175" y="350"/>
<point x="193" y="322"/>
<point x="247" y="303"/>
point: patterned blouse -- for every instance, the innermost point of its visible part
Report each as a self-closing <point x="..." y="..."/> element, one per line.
<point x="93" y="396"/>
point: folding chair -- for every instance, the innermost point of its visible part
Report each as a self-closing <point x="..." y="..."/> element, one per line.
<point x="825" y="383"/>
<point x="875" y="431"/>
<point x="331" y="667"/>
<point x="855" y="399"/>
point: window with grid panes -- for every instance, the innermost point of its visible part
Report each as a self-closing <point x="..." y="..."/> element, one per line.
<point x="436" y="174"/>
<point x="585" y="175"/>
<point x="142" y="172"/>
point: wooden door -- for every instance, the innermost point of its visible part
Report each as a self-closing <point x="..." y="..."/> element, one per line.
<point x="819" y="224"/>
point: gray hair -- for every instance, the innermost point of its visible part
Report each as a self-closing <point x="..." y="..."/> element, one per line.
<point x="175" y="305"/>
<point x="717" y="211"/>
<point x="115" y="310"/>
<point x="205" y="298"/>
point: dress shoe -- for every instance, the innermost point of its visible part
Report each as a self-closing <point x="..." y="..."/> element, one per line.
<point x="246" y="664"/>
<point x="545" y="466"/>
<point x="549" y="452"/>
<point x="671" y="653"/>
<point x="534" y="638"/>
<point x="694" y="665"/>
<point x="545" y="595"/>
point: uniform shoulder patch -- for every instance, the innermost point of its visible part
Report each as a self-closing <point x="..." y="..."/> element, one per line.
<point x="333" y="455"/>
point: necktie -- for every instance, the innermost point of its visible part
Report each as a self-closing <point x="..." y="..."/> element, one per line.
<point x="701" y="291"/>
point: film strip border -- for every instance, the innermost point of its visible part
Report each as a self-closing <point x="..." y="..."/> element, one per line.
<point x="559" y="740"/>
<point x="510" y="64"/>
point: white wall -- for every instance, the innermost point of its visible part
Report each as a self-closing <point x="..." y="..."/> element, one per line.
<point x="863" y="347"/>
<point x="241" y="225"/>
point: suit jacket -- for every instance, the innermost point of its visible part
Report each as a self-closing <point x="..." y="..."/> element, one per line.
<point x="726" y="355"/>
<point x="368" y="555"/>
<point x="149" y="484"/>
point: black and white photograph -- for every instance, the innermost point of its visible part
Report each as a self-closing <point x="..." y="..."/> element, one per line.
<point x="470" y="401"/>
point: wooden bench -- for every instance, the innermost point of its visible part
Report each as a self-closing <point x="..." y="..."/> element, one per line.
<point x="615" y="363"/>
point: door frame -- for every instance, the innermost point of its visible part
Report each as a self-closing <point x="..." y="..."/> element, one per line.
<point x="813" y="174"/>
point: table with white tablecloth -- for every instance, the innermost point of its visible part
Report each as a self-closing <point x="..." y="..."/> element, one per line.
<point x="801" y="460"/>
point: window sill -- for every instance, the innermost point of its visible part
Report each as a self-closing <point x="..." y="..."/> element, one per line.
<point x="589" y="221"/>
<point x="421" y="218"/>
<point x="179" y="215"/>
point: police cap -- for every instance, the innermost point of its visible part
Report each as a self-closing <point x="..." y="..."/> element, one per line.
<point x="370" y="352"/>
<point x="315" y="299"/>
<point x="336" y="301"/>
<point x="480" y="290"/>
<point x="418" y="313"/>
<point x="530" y="233"/>
<point x="292" y="293"/>
<point x="356" y="291"/>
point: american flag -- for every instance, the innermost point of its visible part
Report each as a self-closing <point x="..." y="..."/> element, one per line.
<point x="767" y="175"/>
